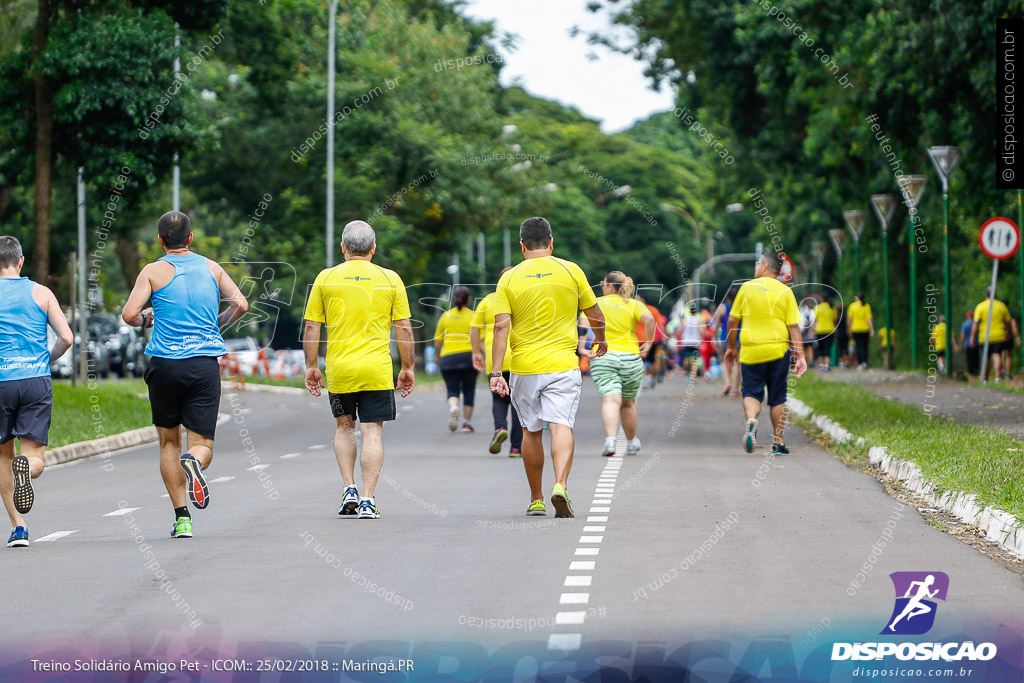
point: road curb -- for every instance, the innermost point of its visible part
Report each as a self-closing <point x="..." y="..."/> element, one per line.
<point x="998" y="526"/>
<point x="108" y="445"/>
<point x="262" y="388"/>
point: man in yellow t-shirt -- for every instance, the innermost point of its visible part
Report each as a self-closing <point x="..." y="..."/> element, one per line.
<point x="824" y="331"/>
<point x="771" y="333"/>
<point x="481" y="336"/>
<point x="997" y="339"/>
<point x="535" y="309"/>
<point x="359" y="302"/>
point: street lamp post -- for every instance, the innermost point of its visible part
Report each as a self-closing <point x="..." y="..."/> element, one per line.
<point x="818" y="249"/>
<point x="838" y="239"/>
<point x="885" y="206"/>
<point x="913" y="187"/>
<point x="855" y="222"/>
<point x="331" y="29"/>
<point x="946" y="159"/>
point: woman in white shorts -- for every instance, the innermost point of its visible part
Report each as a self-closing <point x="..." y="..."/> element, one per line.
<point x="619" y="373"/>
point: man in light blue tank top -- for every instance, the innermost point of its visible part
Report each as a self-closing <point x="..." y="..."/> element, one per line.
<point x="185" y="290"/>
<point x="26" y="396"/>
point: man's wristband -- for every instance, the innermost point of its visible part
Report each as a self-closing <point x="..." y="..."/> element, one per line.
<point x="492" y="375"/>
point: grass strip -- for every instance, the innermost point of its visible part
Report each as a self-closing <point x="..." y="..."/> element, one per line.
<point x="110" y="407"/>
<point x="953" y="456"/>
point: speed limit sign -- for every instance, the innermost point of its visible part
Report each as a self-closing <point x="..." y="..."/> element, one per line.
<point x="999" y="238"/>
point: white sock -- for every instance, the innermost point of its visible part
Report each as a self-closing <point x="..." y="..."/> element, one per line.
<point x="635" y="441"/>
<point x="609" y="441"/>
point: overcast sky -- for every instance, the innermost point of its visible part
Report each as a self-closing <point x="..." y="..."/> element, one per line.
<point x="550" y="64"/>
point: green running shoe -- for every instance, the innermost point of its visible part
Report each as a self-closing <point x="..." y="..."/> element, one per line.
<point x="182" y="528"/>
<point x="537" y="509"/>
<point x="499" y="438"/>
<point x="560" y="499"/>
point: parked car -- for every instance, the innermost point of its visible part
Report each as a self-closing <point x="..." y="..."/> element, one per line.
<point x="97" y="357"/>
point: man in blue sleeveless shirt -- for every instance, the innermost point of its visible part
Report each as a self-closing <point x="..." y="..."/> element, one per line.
<point x="26" y="396"/>
<point x="185" y="289"/>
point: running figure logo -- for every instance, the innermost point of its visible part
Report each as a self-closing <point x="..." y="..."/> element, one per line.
<point x="914" y="612"/>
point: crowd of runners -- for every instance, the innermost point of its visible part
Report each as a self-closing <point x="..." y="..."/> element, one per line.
<point x="535" y="337"/>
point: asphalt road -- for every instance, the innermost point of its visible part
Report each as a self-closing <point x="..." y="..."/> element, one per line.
<point x="454" y="555"/>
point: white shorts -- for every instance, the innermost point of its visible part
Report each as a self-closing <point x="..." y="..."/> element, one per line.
<point x="548" y="397"/>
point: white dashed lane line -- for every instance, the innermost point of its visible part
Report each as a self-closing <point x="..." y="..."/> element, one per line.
<point x="588" y="546"/>
<point x="317" y="447"/>
<point x="256" y="468"/>
<point x="121" y="511"/>
<point x="55" y="535"/>
<point x="289" y="456"/>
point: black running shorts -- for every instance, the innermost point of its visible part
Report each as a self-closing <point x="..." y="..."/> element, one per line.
<point x="185" y="391"/>
<point x="25" y="406"/>
<point x="370" y="406"/>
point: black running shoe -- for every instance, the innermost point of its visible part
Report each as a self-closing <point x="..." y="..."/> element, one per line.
<point x="24" y="496"/>
<point x="779" y="449"/>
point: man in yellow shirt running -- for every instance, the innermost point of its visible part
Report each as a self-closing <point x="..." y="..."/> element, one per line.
<point x="997" y="339"/>
<point x="771" y="340"/>
<point x="359" y="301"/>
<point x="535" y="308"/>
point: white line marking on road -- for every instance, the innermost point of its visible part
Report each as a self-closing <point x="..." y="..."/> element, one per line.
<point x="317" y="447"/>
<point x="220" y="480"/>
<point x="406" y="408"/>
<point x="565" y="641"/>
<point x="121" y="511"/>
<point x="603" y="493"/>
<point x="55" y="535"/>
<point x="289" y="456"/>
<point x="570" y="617"/>
<point x="257" y="468"/>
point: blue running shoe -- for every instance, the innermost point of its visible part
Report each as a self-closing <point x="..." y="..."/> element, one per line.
<point x="350" y="501"/>
<point x="19" y="538"/>
<point x="368" y="509"/>
<point x="198" y="491"/>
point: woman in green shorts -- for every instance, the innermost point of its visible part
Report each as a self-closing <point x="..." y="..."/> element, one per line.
<point x="619" y="372"/>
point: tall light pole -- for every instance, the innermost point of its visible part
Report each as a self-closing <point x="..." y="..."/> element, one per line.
<point x="331" y="29"/>
<point x="838" y="239"/>
<point x="83" y="307"/>
<point x="855" y="222"/>
<point x="885" y="207"/>
<point x="946" y="159"/>
<point x="913" y="187"/>
<point x="176" y="171"/>
<point x="818" y="250"/>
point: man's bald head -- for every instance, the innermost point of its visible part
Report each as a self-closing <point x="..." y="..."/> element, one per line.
<point x="358" y="238"/>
